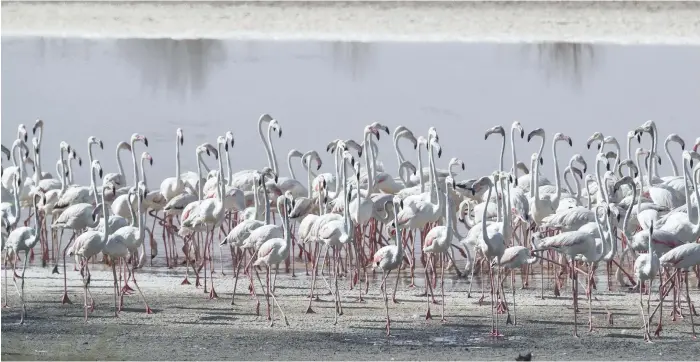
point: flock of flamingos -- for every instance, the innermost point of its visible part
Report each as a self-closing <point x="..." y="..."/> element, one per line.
<point x="362" y="219"/>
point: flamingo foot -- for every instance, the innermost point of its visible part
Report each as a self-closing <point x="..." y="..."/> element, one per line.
<point x="394" y="300"/>
<point x="509" y="320"/>
<point x="212" y="293"/>
<point x="657" y="332"/>
<point x="647" y="337"/>
<point x="428" y="315"/>
<point x="496" y="333"/>
<point x="481" y="300"/>
<point x="4" y="305"/>
<point x="501" y="308"/>
<point x="149" y="310"/>
<point x="55" y="270"/>
<point x="185" y="282"/>
<point x="17" y="276"/>
<point x="388" y="329"/>
<point x="610" y="319"/>
<point x="310" y="311"/>
<point x="65" y="299"/>
<point x="257" y="309"/>
<point x="197" y="282"/>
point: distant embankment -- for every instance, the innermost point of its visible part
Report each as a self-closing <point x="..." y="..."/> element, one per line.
<point x="614" y="22"/>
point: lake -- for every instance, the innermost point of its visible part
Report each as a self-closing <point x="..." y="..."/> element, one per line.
<point x="320" y="91"/>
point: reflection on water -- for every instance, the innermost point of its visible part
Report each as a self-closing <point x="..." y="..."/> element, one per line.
<point x="352" y="56"/>
<point x="461" y="89"/>
<point x="566" y="60"/>
<point x="181" y="66"/>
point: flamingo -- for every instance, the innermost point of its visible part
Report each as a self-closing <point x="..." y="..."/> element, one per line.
<point x="681" y="258"/>
<point x="78" y="217"/>
<point x="493" y="246"/>
<point x="645" y="268"/>
<point x="87" y="245"/>
<point x="273" y="252"/>
<point x="438" y="241"/>
<point x="390" y="258"/>
<point x="24" y="238"/>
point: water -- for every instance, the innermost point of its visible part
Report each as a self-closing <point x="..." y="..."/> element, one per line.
<point x="320" y="91"/>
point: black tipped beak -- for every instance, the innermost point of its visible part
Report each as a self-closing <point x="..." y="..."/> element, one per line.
<point x="386" y="129"/>
<point x="102" y="146"/>
<point x="584" y="170"/>
<point x="473" y="190"/>
<point x="439" y="153"/>
<point x="226" y="147"/>
<point x="25" y="137"/>
<point x="599" y="146"/>
<point x="541" y="161"/>
<point x="571" y="144"/>
<point x="588" y="145"/>
<point x="153" y="257"/>
<point x="280" y="132"/>
<point x="486" y="136"/>
<point x="276" y="178"/>
<point x="659" y="160"/>
<point x="100" y="173"/>
<point x="691" y="165"/>
<point x="68" y="149"/>
<point x="318" y="167"/>
<point x="607" y="166"/>
<point x="145" y="141"/>
<point x="618" y="217"/>
<point x="639" y="137"/>
<point x="182" y="141"/>
<point x="208" y="154"/>
<point x="151" y="161"/>
<point x="463" y="167"/>
<point x="401" y="204"/>
<point x="460" y="219"/>
<point x="80" y="161"/>
<point x="34" y="130"/>
<point x="232" y="142"/>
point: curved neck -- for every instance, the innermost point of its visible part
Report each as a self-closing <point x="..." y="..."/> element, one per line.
<point x="220" y="177"/>
<point x="64" y="182"/>
<point x="105" y="212"/>
<point x="133" y="160"/>
<point x="120" y="166"/>
<point x="289" y="166"/>
<point x="264" y="142"/>
<point x="368" y="160"/>
<point x="399" y="154"/>
<point x="599" y="254"/>
<point x="503" y="151"/>
<point x="132" y="212"/>
<point x="17" y="206"/>
<point x="506" y="209"/>
<point x="536" y="183"/>
<point x="652" y="156"/>
<point x="578" y="189"/>
<point x="448" y="214"/>
<point x="93" y="185"/>
<point x="338" y="172"/>
<point x="433" y="176"/>
<point x="629" y="147"/>
<point x="177" y="160"/>
<point x="533" y="168"/>
<point x="90" y="157"/>
<point x="484" y="231"/>
<point x="200" y="187"/>
<point x="557" y="176"/>
<point x="696" y="223"/>
<point x="229" y="171"/>
<point x="616" y="163"/>
<point x="567" y="171"/>
<point x="670" y="159"/>
<point x="512" y="150"/>
<point x="420" y="169"/>
<point x="602" y="195"/>
<point x="309" y="183"/>
<point x="37" y="166"/>
<point x="641" y="177"/>
<point x="267" y="200"/>
<point x="272" y="151"/>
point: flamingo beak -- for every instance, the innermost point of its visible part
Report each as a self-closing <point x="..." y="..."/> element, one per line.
<point x="102" y="146"/>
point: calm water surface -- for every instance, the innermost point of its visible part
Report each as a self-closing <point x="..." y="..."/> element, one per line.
<point x="320" y="91"/>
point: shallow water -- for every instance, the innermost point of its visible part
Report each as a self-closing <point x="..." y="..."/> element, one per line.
<point x="325" y="90"/>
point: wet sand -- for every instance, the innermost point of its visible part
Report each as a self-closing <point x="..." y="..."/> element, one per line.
<point x="187" y="325"/>
<point x="600" y="21"/>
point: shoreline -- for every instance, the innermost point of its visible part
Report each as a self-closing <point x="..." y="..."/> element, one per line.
<point x="599" y="22"/>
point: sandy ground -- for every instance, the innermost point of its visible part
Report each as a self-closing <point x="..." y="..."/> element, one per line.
<point x="187" y="325"/>
<point x="618" y="22"/>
